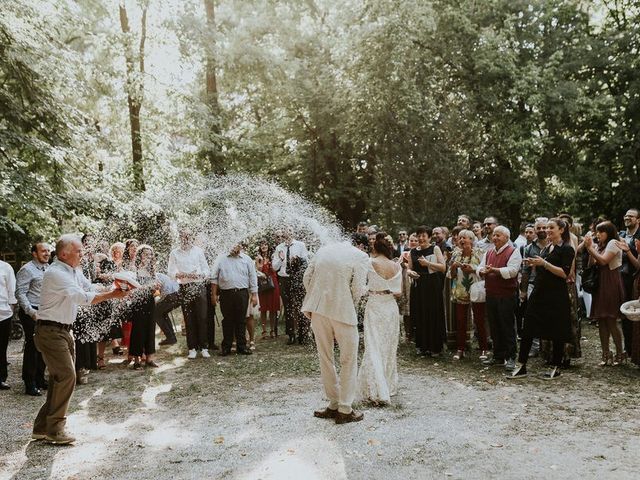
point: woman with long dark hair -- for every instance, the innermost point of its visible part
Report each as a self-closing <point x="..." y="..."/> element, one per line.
<point x="610" y="292"/>
<point x="427" y="302"/>
<point x="378" y="375"/>
<point x="548" y="314"/>
<point x="269" y="299"/>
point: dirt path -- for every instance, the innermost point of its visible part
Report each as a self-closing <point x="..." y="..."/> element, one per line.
<point x="250" y="418"/>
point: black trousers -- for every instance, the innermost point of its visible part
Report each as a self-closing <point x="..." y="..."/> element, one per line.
<point x="143" y="327"/>
<point x="5" y="332"/>
<point x="32" y="362"/>
<point x="86" y="355"/>
<point x="161" y="313"/>
<point x="234" y="304"/>
<point x="500" y="313"/>
<point x="556" y="355"/>
<point x="194" y="300"/>
<point x="292" y="293"/>
<point x="211" y="318"/>
<point x="627" y="325"/>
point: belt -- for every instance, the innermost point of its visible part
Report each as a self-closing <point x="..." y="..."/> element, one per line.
<point x="233" y="289"/>
<point x="49" y="323"/>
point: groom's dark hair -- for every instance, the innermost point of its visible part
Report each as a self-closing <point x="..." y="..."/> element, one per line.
<point x="360" y="239"/>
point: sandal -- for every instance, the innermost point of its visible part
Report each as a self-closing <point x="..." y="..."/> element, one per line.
<point x="117" y="350"/>
<point x="137" y="366"/>
<point x="151" y="364"/>
<point x="101" y="364"/>
<point x="125" y="363"/>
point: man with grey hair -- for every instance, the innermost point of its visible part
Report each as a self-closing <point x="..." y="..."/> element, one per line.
<point x="499" y="268"/>
<point x="64" y="288"/>
<point x="487" y="229"/>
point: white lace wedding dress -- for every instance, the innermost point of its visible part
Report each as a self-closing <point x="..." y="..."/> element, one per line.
<point x="378" y="375"/>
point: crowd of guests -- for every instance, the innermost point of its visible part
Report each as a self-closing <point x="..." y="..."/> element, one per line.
<point x="473" y="284"/>
<point x="477" y="283"/>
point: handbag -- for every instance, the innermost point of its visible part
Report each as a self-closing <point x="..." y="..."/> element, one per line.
<point x="477" y="292"/>
<point x="590" y="278"/>
<point x="265" y="284"/>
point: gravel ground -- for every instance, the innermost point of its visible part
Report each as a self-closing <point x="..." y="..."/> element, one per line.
<point x="251" y="418"/>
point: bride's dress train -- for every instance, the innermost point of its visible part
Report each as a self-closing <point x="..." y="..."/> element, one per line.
<point x="378" y="375"/>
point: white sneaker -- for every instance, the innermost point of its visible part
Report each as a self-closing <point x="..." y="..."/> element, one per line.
<point x="205" y="353"/>
<point x="192" y="354"/>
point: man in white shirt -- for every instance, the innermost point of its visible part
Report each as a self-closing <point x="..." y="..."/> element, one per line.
<point x="499" y="268"/>
<point x="234" y="283"/>
<point x="8" y="302"/>
<point x="188" y="265"/>
<point x="28" y="288"/>
<point x="64" y="288"/>
<point x="289" y="261"/>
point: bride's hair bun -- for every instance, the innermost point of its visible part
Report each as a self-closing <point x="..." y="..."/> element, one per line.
<point x="383" y="246"/>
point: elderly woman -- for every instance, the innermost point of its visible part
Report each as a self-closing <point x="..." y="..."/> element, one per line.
<point x="427" y="302"/>
<point x="548" y="314"/>
<point x="610" y="292"/>
<point x="462" y="271"/>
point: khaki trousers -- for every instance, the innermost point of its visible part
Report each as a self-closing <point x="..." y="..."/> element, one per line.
<point x="341" y="392"/>
<point x="58" y="351"/>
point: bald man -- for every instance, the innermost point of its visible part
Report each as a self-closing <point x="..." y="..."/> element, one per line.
<point x="64" y="288"/>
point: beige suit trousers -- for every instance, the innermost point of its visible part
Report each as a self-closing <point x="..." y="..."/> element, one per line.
<point x="58" y="352"/>
<point x="341" y="392"/>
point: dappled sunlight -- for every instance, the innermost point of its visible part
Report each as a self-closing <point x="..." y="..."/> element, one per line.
<point x="176" y="363"/>
<point x="12" y="463"/>
<point x="150" y="393"/>
<point x="309" y="458"/>
<point x="173" y="435"/>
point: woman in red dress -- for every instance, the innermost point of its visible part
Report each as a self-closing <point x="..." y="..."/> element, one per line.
<point x="269" y="298"/>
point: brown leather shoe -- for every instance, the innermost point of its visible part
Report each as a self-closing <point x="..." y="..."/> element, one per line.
<point x="60" y="438"/>
<point x="349" y="417"/>
<point x="38" y="436"/>
<point x="326" y="413"/>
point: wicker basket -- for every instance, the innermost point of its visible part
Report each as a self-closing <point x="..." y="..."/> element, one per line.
<point x="631" y="310"/>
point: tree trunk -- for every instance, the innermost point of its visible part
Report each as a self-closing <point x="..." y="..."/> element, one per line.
<point x="212" y="151"/>
<point x="135" y="92"/>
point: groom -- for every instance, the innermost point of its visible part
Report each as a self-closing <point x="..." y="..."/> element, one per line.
<point x="335" y="280"/>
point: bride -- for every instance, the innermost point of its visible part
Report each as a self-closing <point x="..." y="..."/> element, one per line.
<point x="378" y="375"/>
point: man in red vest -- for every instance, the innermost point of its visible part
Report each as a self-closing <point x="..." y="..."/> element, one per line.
<point x="499" y="268"/>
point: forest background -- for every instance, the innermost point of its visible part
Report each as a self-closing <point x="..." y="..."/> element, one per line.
<point x="395" y="111"/>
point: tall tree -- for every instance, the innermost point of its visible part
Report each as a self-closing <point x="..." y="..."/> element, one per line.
<point x="135" y="88"/>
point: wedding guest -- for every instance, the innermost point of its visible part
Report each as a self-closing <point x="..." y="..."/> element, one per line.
<point x="477" y="230"/>
<point x="129" y="254"/>
<point x="188" y="265"/>
<point x="521" y="241"/>
<point x="235" y="284"/>
<point x="63" y="289"/>
<point x="499" y="268"/>
<point x="8" y="303"/>
<point x="121" y="326"/>
<point x="462" y="271"/>
<point x="169" y="300"/>
<point x="405" y="300"/>
<point x="269" y="299"/>
<point x="427" y="303"/>
<point x="28" y="288"/>
<point x="527" y="280"/>
<point x="362" y="227"/>
<point x="464" y="221"/>
<point x="548" y="311"/>
<point x="402" y="244"/>
<point x="610" y="292"/>
<point x="289" y="260"/>
<point x="143" y="325"/>
<point x="486" y="243"/>
<point x="628" y="271"/>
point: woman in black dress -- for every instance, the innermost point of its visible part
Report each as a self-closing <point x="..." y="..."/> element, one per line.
<point x="426" y="299"/>
<point x="548" y="314"/>
<point x="143" y="329"/>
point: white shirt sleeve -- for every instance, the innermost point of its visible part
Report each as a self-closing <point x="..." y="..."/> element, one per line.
<point x="11" y="285"/>
<point x="204" y="266"/>
<point x="276" y="262"/>
<point x="513" y="265"/>
<point x="483" y="262"/>
<point x="172" y="268"/>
